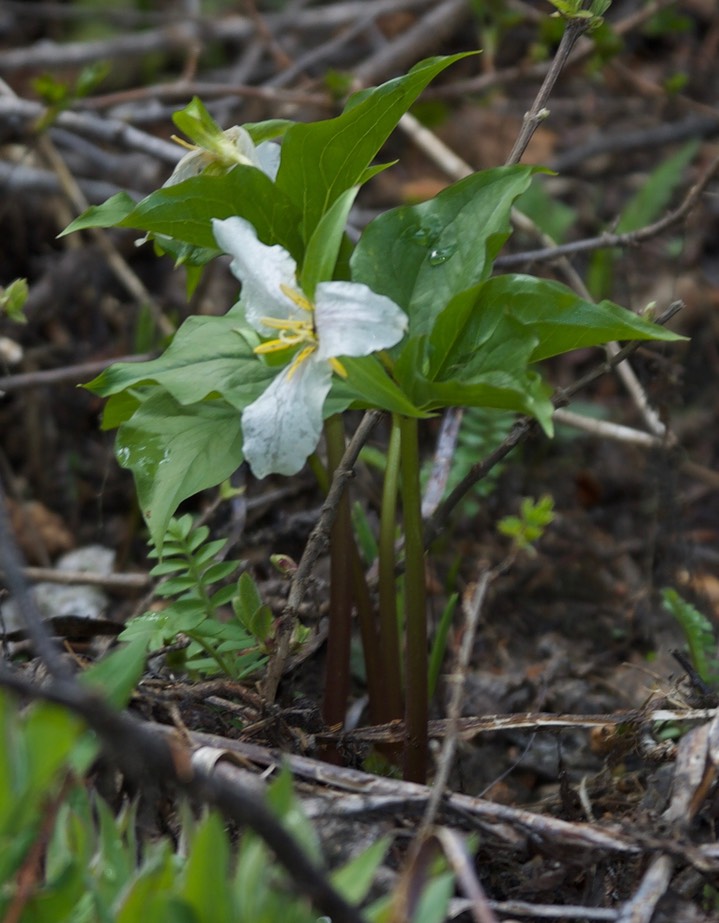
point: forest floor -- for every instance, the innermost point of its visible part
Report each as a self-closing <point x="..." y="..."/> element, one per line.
<point x="597" y="814"/>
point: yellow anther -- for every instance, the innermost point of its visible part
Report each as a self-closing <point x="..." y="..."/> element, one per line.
<point x="301" y="356"/>
<point x="338" y="367"/>
<point x="185" y="144"/>
<point x="275" y="346"/>
<point x="297" y="298"/>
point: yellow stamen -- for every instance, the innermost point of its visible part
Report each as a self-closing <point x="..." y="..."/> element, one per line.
<point x="185" y="144"/>
<point x="301" y="356"/>
<point x="278" y="323"/>
<point x="297" y="298"/>
<point x="276" y="346"/>
<point x="338" y="367"/>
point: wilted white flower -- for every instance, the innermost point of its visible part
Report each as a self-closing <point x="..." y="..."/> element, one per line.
<point x="232" y="147"/>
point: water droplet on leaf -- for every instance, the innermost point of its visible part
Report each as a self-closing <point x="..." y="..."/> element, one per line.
<point x="440" y="255"/>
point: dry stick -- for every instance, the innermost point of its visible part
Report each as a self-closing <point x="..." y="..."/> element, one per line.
<point x="120" y="268"/>
<point x="627" y="239"/>
<point x="458" y="677"/>
<point x="640" y="908"/>
<point x="455" y="849"/>
<point x="316" y="544"/>
<point x="24" y="113"/>
<point x="68" y="375"/>
<point x="412" y="44"/>
<point x="180" y="36"/>
<point x="182" y="89"/>
<point x="538" y="111"/>
<point x="583" y="49"/>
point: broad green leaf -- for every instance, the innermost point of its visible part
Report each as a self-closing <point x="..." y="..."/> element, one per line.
<point x="50" y="733"/>
<point x="175" y="451"/>
<point x="324" y="246"/>
<point x="494" y="376"/>
<point x="559" y="318"/>
<point x="320" y="160"/>
<point x="423" y="255"/>
<point x="369" y="384"/>
<point x="184" y="212"/>
<point x="209" y="355"/>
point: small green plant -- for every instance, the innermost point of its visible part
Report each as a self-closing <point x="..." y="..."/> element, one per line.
<point x="12" y="300"/>
<point x="529" y="526"/>
<point x="192" y="572"/>
<point x="409" y="320"/>
<point x="700" y="636"/>
<point x="95" y="868"/>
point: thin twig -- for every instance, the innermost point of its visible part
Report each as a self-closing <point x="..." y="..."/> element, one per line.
<point x="607" y="239"/>
<point x="458" y="678"/>
<point x="68" y="375"/>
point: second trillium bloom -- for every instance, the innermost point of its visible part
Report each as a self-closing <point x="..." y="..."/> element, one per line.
<point x="283" y="426"/>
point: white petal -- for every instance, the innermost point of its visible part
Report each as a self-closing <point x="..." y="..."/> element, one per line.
<point x="236" y="146"/>
<point x="283" y="426"/>
<point x="190" y="165"/>
<point x="352" y="320"/>
<point x="261" y="269"/>
<point x="268" y="158"/>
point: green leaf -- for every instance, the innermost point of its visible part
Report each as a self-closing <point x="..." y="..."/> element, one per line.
<point x="205" y="885"/>
<point x="175" y="451"/>
<point x="209" y="355"/>
<point x="267" y="130"/>
<point x="184" y="212"/>
<point x="699" y="633"/>
<point x="324" y="245"/>
<point x="561" y="320"/>
<point x="118" y="673"/>
<point x="354" y="879"/>
<point x="108" y="215"/>
<point x="320" y="160"/>
<point x="369" y="384"/>
<point x="12" y="300"/>
<point x="423" y="255"/>
<point x="655" y="193"/>
<point x="198" y="124"/>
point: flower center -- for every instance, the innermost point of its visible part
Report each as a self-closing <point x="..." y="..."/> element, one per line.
<point x="296" y="331"/>
<point x="292" y="331"/>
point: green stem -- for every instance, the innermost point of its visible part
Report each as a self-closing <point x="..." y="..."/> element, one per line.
<point x="338" y="641"/>
<point x="388" y="627"/>
<point x="416" y="695"/>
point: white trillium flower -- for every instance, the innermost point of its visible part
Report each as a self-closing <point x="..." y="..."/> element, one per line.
<point x="234" y="146"/>
<point x="283" y="426"/>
